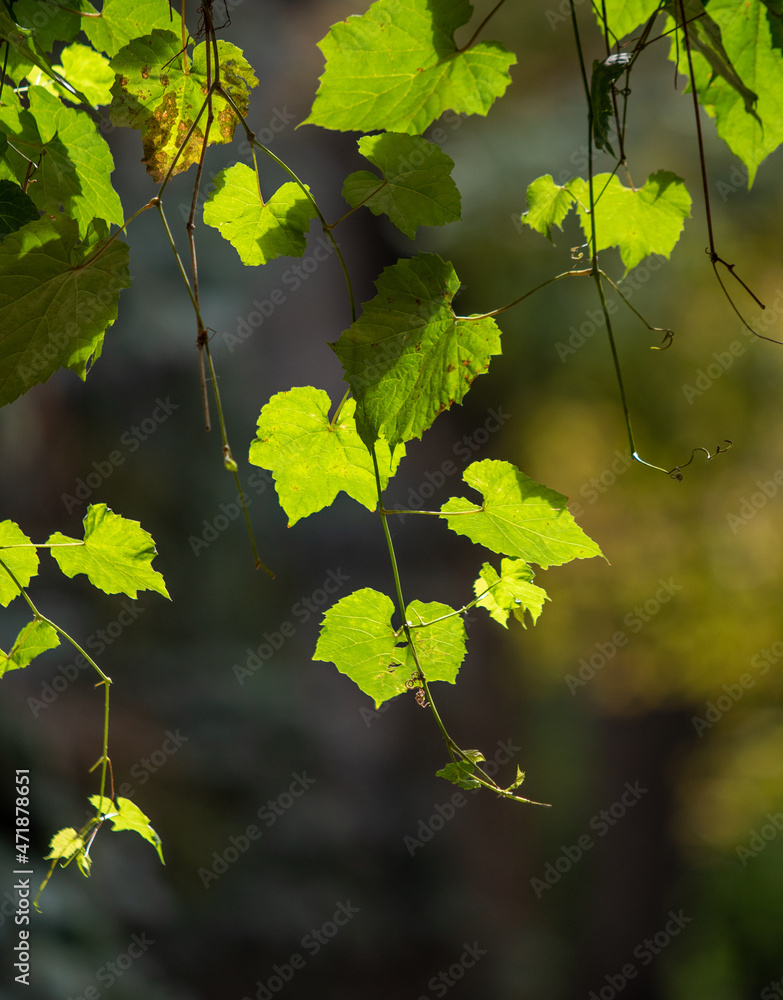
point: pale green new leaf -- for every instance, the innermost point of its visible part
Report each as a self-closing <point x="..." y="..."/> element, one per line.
<point x="312" y="459"/>
<point x="415" y="188"/>
<point x="518" y="517"/>
<point x="116" y="554"/>
<point x="408" y="357"/>
<point x="153" y="93"/>
<point x="54" y="308"/>
<point x="16" y="208"/>
<point x="640" y="222"/>
<point x="625" y="16"/>
<point x="511" y="592"/>
<point x="127" y="817"/>
<point x="397" y="68"/>
<point x="548" y="204"/>
<point x="123" y="20"/>
<point x="258" y="232"/>
<point x="740" y="80"/>
<point x="64" y="844"/>
<point x="21" y="559"/>
<point x="356" y="635"/>
<point x="440" y="646"/>
<point x="35" y="638"/>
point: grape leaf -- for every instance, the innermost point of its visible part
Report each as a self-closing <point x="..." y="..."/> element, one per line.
<point x="440" y="646"/>
<point x="356" y="635"/>
<point x="640" y="222"/>
<point x="605" y="73"/>
<point x="459" y="773"/>
<point x="518" y="517"/>
<point x="397" y="68"/>
<point x="408" y="357"/>
<point x="16" y="208"/>
<point x="75" y="173"/>
<point x="738" y="67"/>
<point x="416" y="188"/>
<point x="548" y="204"/>
<point x="21" y="560"/>
<point x="258" y="232"/>
<point x="56" y="25"/>
<point x="122" y="20"/>
<point x="154" y="93"/>
<point x="127" y="817"/>
<point x="88" y="70"/>
<point x="35" y="638"/>
<point x="311" y="459"/>
<point x="22" y="52"/>
<point x="64" y="844"/>
<point x="116" y="554"/>
<point x="54" y="307"/>
<point x="624" y="16"/>
<point x="512" y="591"/>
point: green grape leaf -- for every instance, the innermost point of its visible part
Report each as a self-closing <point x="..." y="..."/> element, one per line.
<point x="548" y="204"/>
<point x="397" y="68"/>
<point x="415" y="188"/>
<point x="605" y="73"/>
<point x="356" y="635"/>
<point x="122" y="20"/>
<point x="440" y="646"/>
<point x="56" y="25"/>
<point x="55" y="304"/>
<point x="116" y="554"/>
<point x="511" y="592"/>
<point x="459" y="773"/>
<point x="75" y="173"/>
<point x="154" y="93"/>
<point x="640" y="222"/>
<point x="35" y="638"/>
<point x="16" y="208"/>
<point x="738" y="67"/>
<point x="408" y="357"/>
<point x="625" y="16"/>
<point x="22" y="52"/>
<point x="311" y="459"/>
<point x="518" y="517"/>
<point x="88" y="70"/>
<point x="126" y="815"/>
<point x="64" y="844"/>
<point x="258" y="232"/>
<point x="21" y="559"/>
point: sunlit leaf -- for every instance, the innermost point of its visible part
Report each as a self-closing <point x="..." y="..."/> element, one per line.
<point x="35" y="638"/>
<point x="19" y="554"/>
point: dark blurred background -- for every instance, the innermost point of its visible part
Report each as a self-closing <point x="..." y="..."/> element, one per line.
<point x="644" y="706"/>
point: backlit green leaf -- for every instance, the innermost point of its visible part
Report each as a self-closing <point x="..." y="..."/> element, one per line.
<point x="511" y="592"/>
<point x="440" y="646"/>
<point x="21" y="558"/>
<point x="459" y="773"/>
<point x="415" y="188"/>
<point x="357" y="637"/>
<point x="548" y="204"/>
<point x="116" y="554"/>
<point x="35" y="638"/>
<point x="128" y="817"/>
<point x="122" y="20"/>
<point x="640" y="222"/>
<point x="258" y="232"/>
<point x="625" y="16"/>
<point x="57" y="25"/>
<point x="397" y="68"/>
<point x="312" y="459"/>
<point x="54" y="308"/>
<point x="154" y="94"/>
<point x="64" y="844"/>
<point x="738" y="66"/>
<point x="408" y="357"/>
<point x="518" y="517"/>
<point x="89" y="71"/>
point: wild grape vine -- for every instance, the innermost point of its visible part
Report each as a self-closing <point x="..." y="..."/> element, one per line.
<point x="389" y="74"/>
